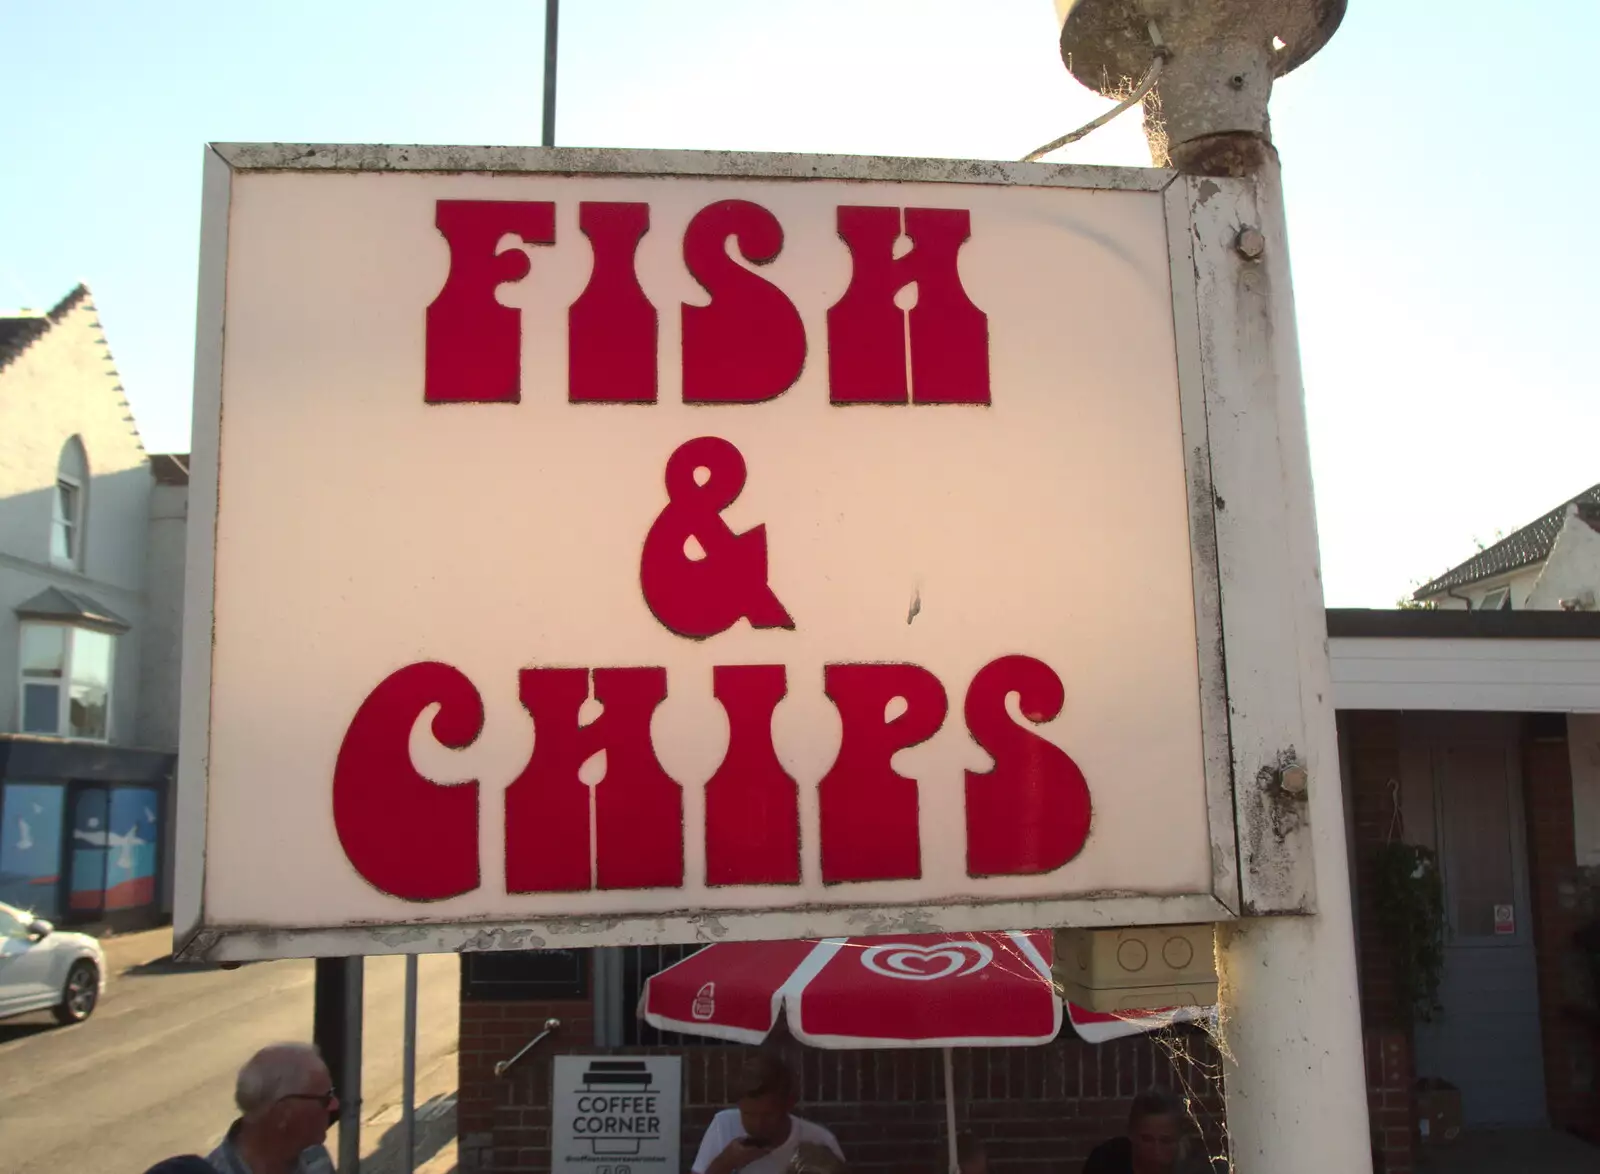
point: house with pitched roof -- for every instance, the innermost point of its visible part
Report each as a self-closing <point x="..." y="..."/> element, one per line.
<point x="1552" y="562"/>
<point x="91" y="595"/>
<point x="1469" y="731"/>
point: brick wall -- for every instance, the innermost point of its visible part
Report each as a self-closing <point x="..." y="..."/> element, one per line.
<point x="1391" y="1073"/>
<point x="1373" y="745"/>
<point x="496" y="1129"/>
<point x="1040" y="1109"/>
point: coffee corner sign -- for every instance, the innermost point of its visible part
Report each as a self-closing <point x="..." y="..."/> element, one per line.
<point x="656" y="547"/>
<point x="615" y="1115"/>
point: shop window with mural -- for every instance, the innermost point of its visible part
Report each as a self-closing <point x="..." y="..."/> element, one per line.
<point x="113" y="849"/>
<point x="131" y="856"/>
<point x="89" y="841"/>
<point x="30" y="846"/>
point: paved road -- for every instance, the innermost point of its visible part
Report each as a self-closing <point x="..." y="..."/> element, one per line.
<point x="151" y="1073"/>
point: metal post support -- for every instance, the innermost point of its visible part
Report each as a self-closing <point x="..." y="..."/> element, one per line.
<point x="606" y="983"/>
<point x="1294" y="1077"/>
<point x="950" y="1112"/>
<point x="408" y="1067"/>
<point x="350" y="1078"/>
<point x="552" y="12"/>
<point x="599" y="960"/>
<point x="336" y="1031"/>
<point x="327" y="1017"/>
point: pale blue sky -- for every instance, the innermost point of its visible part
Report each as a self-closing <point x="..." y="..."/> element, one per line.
<point x="1439" y="166"/>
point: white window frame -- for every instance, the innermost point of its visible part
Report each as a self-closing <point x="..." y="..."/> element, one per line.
<point x="72" y="525"/>
<point x="1501" y="596"/>
<point x="63" y="685"/>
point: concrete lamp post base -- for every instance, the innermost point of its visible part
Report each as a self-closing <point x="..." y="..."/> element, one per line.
<point x="1208" y="113"/>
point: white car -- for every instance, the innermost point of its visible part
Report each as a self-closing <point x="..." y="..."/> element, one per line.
<point x="45" y="969"/>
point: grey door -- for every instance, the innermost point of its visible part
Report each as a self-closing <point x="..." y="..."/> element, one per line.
<point x="1486" y="1042"/>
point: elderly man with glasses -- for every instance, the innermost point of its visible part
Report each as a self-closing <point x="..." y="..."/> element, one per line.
<point x="285" y="1097"/>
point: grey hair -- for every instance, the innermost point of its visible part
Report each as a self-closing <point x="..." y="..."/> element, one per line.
<point x="272" y="1074"/>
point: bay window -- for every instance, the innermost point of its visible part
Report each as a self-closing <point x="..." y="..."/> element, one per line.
<point x="66" y="680"/>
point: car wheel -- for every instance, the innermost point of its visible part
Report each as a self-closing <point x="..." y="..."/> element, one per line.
<point x="80" y="994"/>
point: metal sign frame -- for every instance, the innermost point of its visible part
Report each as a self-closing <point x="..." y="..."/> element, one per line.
<point x="1253" y="714"/>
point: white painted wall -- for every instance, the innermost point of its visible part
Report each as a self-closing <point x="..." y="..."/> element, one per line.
<point x="63" y="385"/>
<point x="161" y="644"/>
<point x="1505" y="676"/>
<point x="1573" y="567"/>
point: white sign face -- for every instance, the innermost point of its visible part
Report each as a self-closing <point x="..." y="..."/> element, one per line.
<point x="616" y="1114"/>
<point x="614" y="555"/>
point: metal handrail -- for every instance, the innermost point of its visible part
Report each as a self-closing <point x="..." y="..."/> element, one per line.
<point x="505" y="1066"/>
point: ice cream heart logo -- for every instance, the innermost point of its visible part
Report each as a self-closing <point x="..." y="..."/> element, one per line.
<point x="921" y="963"/>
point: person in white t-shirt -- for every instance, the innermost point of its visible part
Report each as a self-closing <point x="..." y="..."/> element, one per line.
<point x="761" y="1135"/>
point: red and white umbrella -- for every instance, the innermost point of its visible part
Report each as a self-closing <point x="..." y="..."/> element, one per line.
<point x="907" y="991"/>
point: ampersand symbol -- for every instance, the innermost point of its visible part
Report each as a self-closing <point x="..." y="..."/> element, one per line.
<point x="700" y="597"/>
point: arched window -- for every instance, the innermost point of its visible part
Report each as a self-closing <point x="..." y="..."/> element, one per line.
<point x="71" y="507"/>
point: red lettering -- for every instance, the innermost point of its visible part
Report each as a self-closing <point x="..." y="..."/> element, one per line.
<point x="547" y="805"/>
<point x="748" y="344"/>
<point x="472" y="351"/>
<point x="752" y="804"/>
<point x="700" y="597"/>
<point x="406" y="835"/>
<point x="868" y="810"/>
<point x="949" y="336"/>
<point x="1030" y="814"/>
<point x="611" y="328"/>
<point x="638" y="808"/>
<point x="418" y="840"/>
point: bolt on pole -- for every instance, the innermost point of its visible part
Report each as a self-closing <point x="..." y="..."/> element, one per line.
<point x="1294" y="1076"/>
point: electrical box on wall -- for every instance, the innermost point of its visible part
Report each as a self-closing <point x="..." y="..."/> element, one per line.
<point x="1142" y="968"/>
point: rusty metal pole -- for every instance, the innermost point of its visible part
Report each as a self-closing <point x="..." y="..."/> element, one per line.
<point x="1294" y="1076"/>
